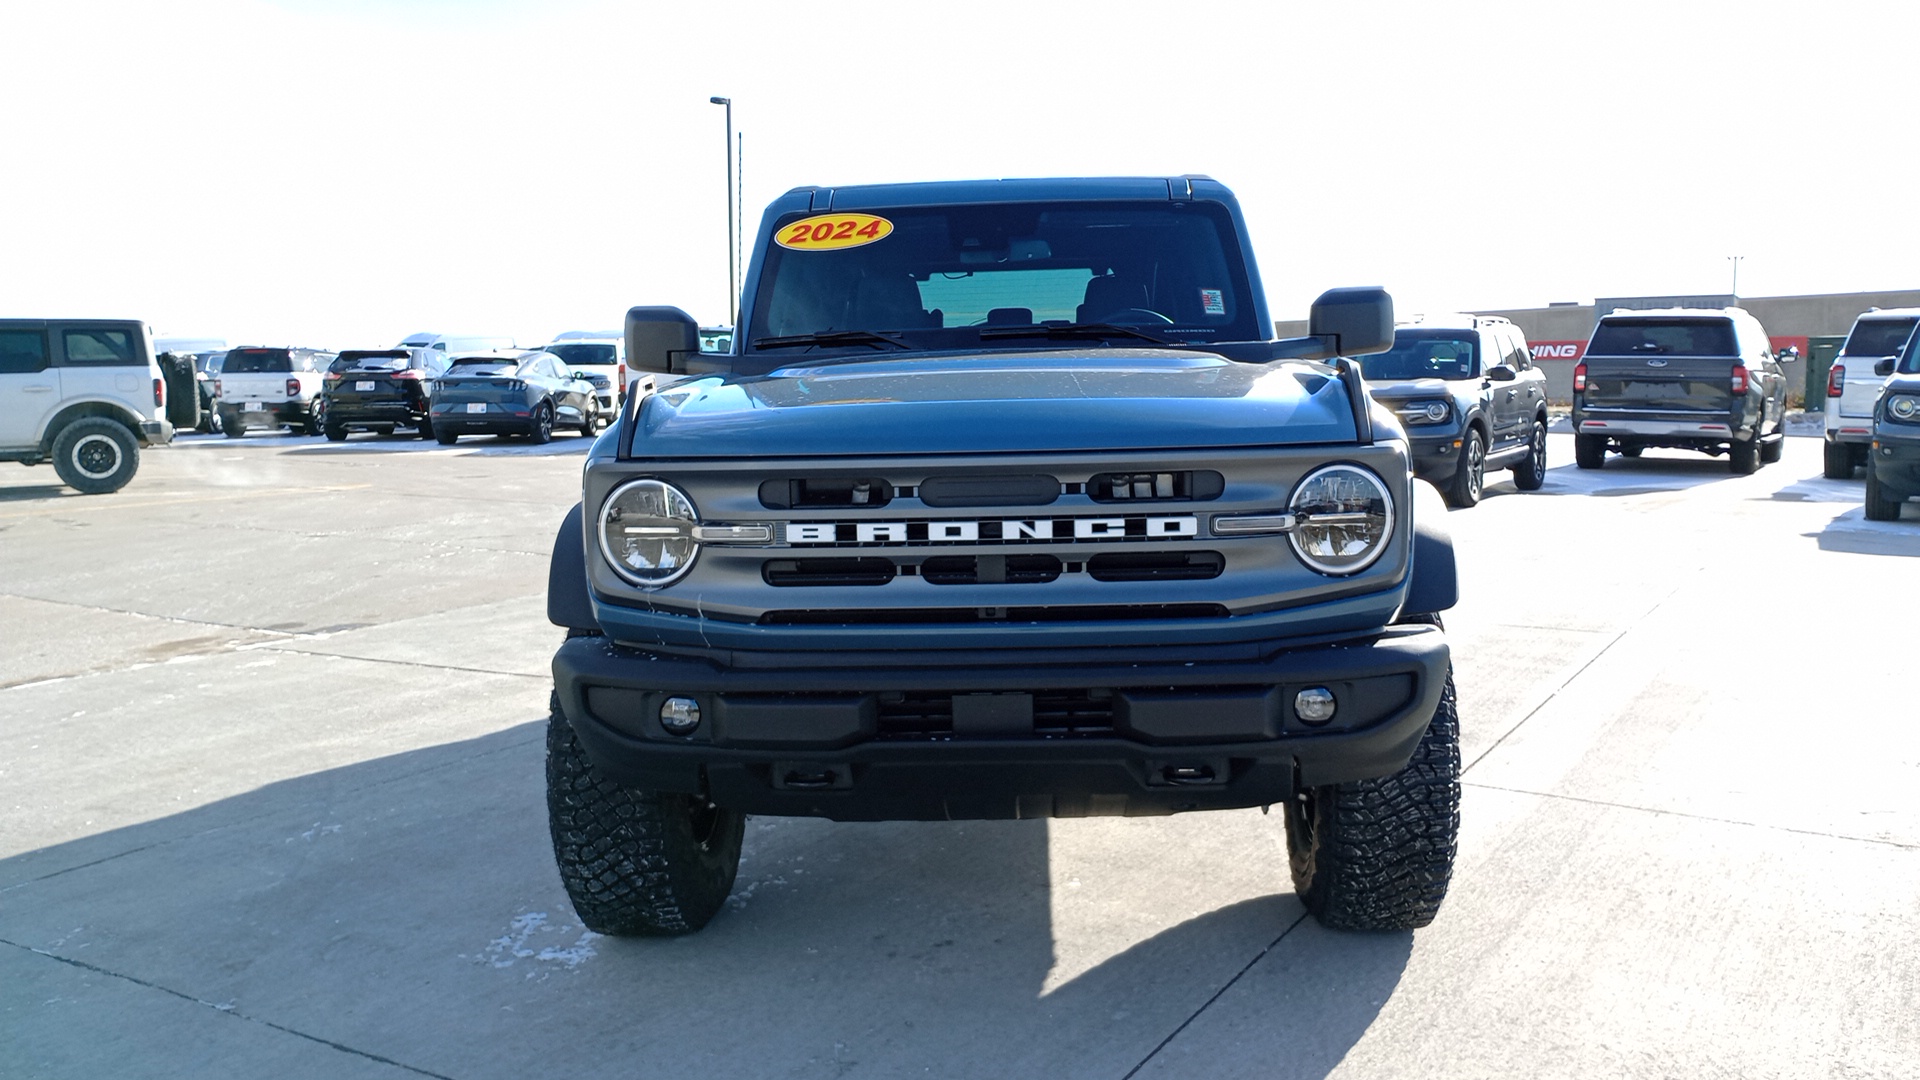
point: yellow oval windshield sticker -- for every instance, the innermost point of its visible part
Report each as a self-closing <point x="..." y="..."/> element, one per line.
<point x="830" y="232"/>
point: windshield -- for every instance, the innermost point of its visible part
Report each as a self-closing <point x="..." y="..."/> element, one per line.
<point x="578" y="355"/>
<point x="936" y="274"/>
<point x="1425" y="354"/>
<point x="1878" y="337"/>
<point x="1663" y="337"/>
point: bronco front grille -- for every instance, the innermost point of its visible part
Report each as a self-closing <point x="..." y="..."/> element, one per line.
<point x="1071" y="613"/>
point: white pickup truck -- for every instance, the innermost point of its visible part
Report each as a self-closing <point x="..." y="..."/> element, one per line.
<point x="263" y="387"/>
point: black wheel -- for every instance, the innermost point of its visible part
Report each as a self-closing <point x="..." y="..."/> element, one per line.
<point x="234" y="428"/>
<point x="1743" y="459"/>
<point x="1838" y="462"/>
<point x="1531" y="473"/>
<point x="1632" y="451"/>
<point x="1471" y="476"/>
<point x="540" y="429"/>
<point x="94" y="455"/>
<point x="336" y="433"/>
<point x="1590" y="451"/>
<point x="635" y="862"/>
<point x="1878" y="506"/>
<point x="425" y="428"/>
<point x="1378" y="854"/>
<point x="590" y="418"/>
<point x="445" y="438"/>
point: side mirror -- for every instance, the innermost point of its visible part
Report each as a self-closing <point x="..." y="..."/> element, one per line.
<point x="1884" y="367"/>
<point x="659" y="339"/>
<point x="1502" y="373"/>
<point x="1791" y="352"/>
<point x="1343" y="322"/>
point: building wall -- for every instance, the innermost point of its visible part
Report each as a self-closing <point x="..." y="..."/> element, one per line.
<point x="1788" y="319"/>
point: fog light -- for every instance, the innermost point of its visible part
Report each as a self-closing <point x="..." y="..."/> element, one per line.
<point x="680" y="715"/>
<point x="1314" y="705"/>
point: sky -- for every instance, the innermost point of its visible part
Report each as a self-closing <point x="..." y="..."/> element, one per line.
<point x="340" y="174"/>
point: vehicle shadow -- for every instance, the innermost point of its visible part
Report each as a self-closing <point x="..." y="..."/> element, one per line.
<point x="407" y="907"/>
<point x="31" y="492"/>
<point x="1652" y="472"/>
<point x="1852" y="533"/>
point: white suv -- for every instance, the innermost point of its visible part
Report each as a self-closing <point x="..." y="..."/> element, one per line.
<point x="85" y="394"/>
<point x="1877" y="335"/>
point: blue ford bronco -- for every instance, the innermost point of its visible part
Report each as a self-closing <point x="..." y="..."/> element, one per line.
<point x="1003" y="504"/>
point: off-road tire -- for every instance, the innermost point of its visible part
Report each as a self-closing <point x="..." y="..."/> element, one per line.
<point x="1743" y="458"/>
<point x="1878" y="507"/>
<point x="1378" y="854"/>
<point x="1837" y="464"/>
<point x="1589" y="451"/>
<point x="1532" y="471"/>
<point x="1470" y="479"/>
<point x="635" y="863"/>
<point x="95" y="456"/>
<point x="540" y="428"/>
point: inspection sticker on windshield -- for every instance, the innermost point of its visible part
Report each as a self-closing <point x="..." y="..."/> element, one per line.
<point x="1213" y="301"/>
<point x="830" y="232"/>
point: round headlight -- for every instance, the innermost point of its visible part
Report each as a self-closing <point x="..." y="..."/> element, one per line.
<point x="646" y="531"/>
<point x="1904" y="407"/>
<point x="1436" y="411"/>
<point x="1343" y="517"/>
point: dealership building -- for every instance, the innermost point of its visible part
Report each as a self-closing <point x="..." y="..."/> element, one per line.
<point x="1814" y="325"/>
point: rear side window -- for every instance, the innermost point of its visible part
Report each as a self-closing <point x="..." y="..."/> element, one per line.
<point x="1878" y="337"/>
<point x="22" y="352"/>
<point x="251" y="361"/>
<point x="1663" y="337"/>
<point x="98" y="347"/>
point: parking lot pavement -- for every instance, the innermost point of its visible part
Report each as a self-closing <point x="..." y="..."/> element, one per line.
<point x="271" y="740"/>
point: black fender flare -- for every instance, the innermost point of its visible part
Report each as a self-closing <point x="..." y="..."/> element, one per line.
<point x="1434" y="584"/>
<point x="569" y="601"/>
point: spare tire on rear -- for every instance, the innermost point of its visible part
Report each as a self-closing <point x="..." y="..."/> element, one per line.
<point x="183" y="390"/>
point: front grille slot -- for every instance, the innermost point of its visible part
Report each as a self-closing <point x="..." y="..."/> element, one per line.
<point x="1035" y="490"/>
<point x="959" y="615"/>
<point x="1196" y="486"/>
<point x="990" y="569"/>
<point x="928" y="714"/>
<point x="822" y="491"/>
<point x="1156" y="566"/>
<point x="799" y="573"/>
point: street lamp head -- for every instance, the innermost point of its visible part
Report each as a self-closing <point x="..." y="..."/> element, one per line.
<point x="720" y="100"/>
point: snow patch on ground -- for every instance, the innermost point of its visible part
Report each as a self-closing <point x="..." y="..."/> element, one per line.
<point x="519" y="944"/>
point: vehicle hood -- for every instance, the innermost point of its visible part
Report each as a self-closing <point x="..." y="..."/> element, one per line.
<point x="1056" y="400"/>
<point x="1407" y="389"/>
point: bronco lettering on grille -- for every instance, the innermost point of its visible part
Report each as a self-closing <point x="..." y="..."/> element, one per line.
<point x="992" y="530"/>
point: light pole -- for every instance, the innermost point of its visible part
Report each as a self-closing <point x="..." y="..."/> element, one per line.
<point x="1735" y="260"/>
<point x="733" y="293"/>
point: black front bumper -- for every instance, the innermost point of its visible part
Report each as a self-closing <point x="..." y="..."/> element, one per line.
<point x="1436" y="458"/>
<point x="1895" y="461"/>
<point x="1006" y="739"/>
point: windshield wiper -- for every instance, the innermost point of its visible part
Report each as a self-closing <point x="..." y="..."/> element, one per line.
<point x="832" y="337"/>
<point x="1074" y="330"/>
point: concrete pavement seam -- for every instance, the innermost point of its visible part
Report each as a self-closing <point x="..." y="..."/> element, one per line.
<point x="1696" y="817"/>
<point x="271" y="646"/>
<point x="1228" y="985"/>
<point x="226" y="1009"/>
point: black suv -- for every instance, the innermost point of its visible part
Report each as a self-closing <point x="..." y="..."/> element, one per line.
<point x="1893" y="463"/>
<point x="381" y="389"/>
<point x="1471" y="399"/>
